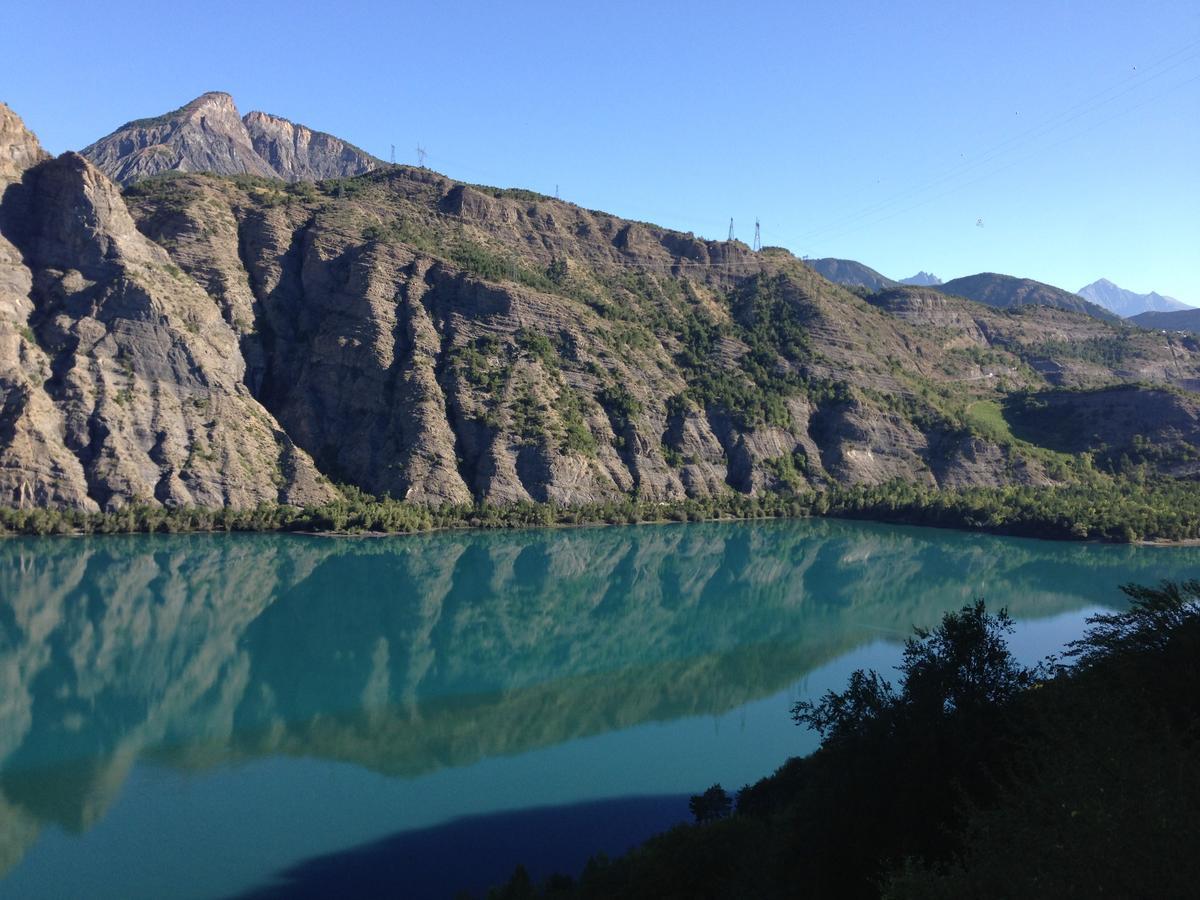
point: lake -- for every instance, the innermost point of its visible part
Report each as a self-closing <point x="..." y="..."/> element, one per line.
<point x="272" y="715"/>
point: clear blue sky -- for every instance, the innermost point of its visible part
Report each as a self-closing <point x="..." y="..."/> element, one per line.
<point x="878" y="131"/>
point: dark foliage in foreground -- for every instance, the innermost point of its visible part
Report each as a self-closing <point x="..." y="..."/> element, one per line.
<point x="1119" y="510"/>
<point x="975" y="777"/>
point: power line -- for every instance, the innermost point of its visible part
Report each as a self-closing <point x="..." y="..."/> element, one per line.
<point x="1056" y="121"/>
<point x="852" y="228"/>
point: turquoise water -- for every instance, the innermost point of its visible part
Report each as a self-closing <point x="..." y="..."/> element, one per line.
<point x="191" y="716"/>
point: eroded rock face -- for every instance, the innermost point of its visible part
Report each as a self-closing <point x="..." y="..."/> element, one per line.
<point x="119" y="380"/>
<point x="210" y="135"/>
<point x="19" y="147"/>
<point x="225" y="341"/>
<point x="206" y="135"/>
<point x="297" y="153"/>
<point x="403" y="369"/>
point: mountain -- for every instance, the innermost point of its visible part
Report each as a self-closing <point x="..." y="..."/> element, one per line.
<point x="119" y="379"/>
<point x="1005" y="291"/>
<point x="19" y="148"/>
<point x="1126" y="303"/>
<point x="222" y="341"/>
<point x="1177" y="320"/>
<point x="209" y="135"/>
<point x="850" y="273"/>
<point x="922" y="279"/>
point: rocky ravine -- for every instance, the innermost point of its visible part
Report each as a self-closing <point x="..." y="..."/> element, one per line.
<point x="439" y="342"/>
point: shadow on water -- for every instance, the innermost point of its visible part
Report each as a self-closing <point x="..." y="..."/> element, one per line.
<point x="475" y="853"/>
<point x="407" y="655"/>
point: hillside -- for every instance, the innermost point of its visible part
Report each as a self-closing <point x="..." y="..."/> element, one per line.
<point x="1005" y="291"/>
<point x="230" y="341"/>
<point x="1179" y="320"/>
<point x="1127" y="303"/>
<point x="850" y="273"/>
<point x="209" y="135"/>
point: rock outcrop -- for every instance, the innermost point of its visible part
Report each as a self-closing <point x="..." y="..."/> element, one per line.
<point x="209" y="135"/>
<point x="19" y="147"/>
<point x="297" y="153"/>
<point x="119" y="380"/>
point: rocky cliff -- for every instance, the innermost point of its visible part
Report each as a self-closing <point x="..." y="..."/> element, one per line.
<point x="297" y="153"/>
<point x="119" y="380"/>
<point x="209" y="135"/>
<point x="212" y="340"/>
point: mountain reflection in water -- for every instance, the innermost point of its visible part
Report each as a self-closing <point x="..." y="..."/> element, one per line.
<point x="406" y="655"/>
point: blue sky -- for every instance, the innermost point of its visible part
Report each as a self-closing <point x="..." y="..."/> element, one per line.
<point x="878" y="131"/>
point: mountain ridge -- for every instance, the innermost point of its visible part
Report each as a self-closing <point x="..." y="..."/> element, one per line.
<point x="922" y="279"/>
<point x="1175" y="320"/>
<point x="208" y="134"/>
<point x="237" y="340"/>
<point x="1126" y="303"/>
<point x="850" y="273"/>
<point x="1007" y="291"/>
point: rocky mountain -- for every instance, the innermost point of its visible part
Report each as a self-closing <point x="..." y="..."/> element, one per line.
<point x="1178" y="320"/>
<point x="1126" y="303"/>
<point x="19" y="148"/>
<point x="119" y="380"/>
<point x="1005" y="291"/>
<point x="850" y="273"/>
<point x="210" y="340"/>
<point x="922" y="279"/>
<point x="209" y="135"/>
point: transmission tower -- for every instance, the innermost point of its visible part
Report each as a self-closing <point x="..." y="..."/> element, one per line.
<point x="393" y="154"/>
<point x="420" y="156"/>
<point x="757" y="236"/>
<point x="731" y="229"/>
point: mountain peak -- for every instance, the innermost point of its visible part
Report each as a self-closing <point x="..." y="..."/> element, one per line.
<point x="1006" y="291"/>
<point x="212" y="100"/>
<point x="1125" y="302"/>
<point x="850" y="273"/>
<point x="922" y="279"/>
<point x="208" y="134"/>
<point x="19" y="147"/>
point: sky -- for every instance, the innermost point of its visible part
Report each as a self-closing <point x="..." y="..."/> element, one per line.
<point x="1051" y="140"/>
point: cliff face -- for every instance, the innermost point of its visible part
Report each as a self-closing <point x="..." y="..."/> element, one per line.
<point x="215" y="341"/>
<point x="436" y="341"/>
<point x="209" y="135"/>
<point x="297" y="153"/>
<point x="119" y="380"/>
<point x="19" y="148"/>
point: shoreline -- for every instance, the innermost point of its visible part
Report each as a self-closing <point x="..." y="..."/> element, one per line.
<point x="426" y="520"/>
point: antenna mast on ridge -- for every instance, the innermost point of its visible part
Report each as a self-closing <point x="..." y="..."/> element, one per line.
<point x="731" y="229"/>
<point x="757" y="236"/>
<point x="393" y="154"/>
